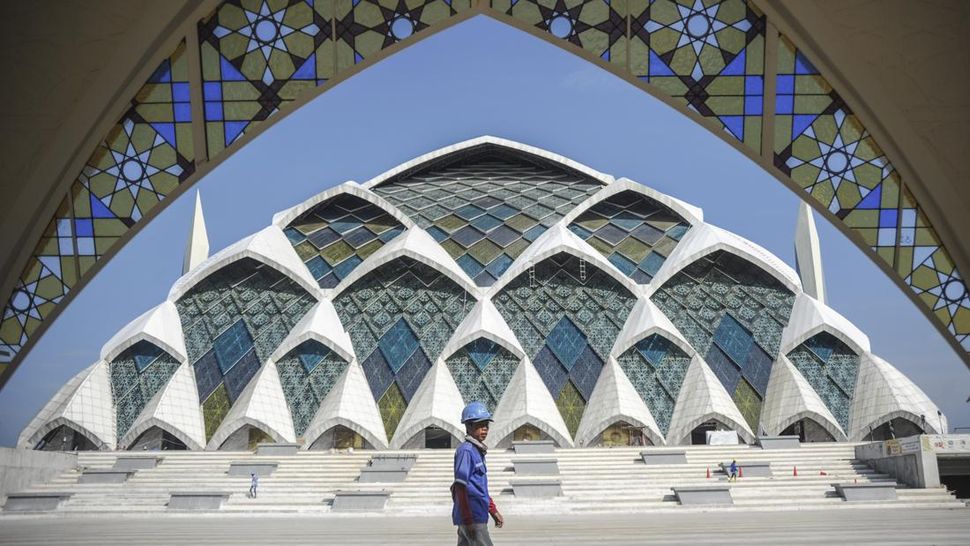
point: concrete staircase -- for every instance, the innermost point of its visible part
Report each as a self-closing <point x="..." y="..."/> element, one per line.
<point x="593" y="480"/>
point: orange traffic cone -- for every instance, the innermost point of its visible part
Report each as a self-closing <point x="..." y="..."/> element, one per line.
<point x="740" y="471"/>
<point x="794" y="471"/>
<point x="708" y="472"/>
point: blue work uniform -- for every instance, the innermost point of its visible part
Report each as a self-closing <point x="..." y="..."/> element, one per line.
<point x="471" y="472"/>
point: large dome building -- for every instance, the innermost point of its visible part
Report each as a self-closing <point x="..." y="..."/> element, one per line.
<point x="580" y="308"/>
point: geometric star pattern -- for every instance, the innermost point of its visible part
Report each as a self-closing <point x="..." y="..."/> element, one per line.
<point x="635" y="233"/>
<point x="307" y="374"/>
<point x="144" y="157"/>
<point x="708" y="55"/>
<point x="136" y="375"/>
<point x="824" y="148"/>
<point x="821" y="145"/>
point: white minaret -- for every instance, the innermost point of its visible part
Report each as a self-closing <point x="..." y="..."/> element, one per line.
<point x="197" y="248"/>
<point x="808" y="256"/>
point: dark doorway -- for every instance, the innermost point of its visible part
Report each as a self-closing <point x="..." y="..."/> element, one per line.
<point x="437" y="438"/>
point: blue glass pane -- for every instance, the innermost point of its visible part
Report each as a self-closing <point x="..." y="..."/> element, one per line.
<point x="398" y="344"/>
<point x="470" y="265"/>
<point x="482" y="351"/>
<point x="677" y="231"/>
<point x="819" y="346"/>
<point x="550" y="370"/>
<point x="469" y="212"/>
<point x="411" y="373"/>
<point x="231" y="345"/>
<point x="318" y="267"/>
<point x="240" y="374"/>
<point x="323" y="237"/>
<point x="311" y="353"/>
<point x="145" y="353"/>
<point x="757" y="369"/>
<point x="654" y="349"/>
<point x="651" y="264"/>
<point x="207" y="375"/>
<point x="566" y="341"/>
<point x="378" y="373"/>
<point x="723" y="368"/>
<point x="345" y="267"/>
<point x="437" y="233"/>
<point x="391" y="233"/>
<point x="624" y="265"/>
<point x="733" y="339"/>
<point x="499" y="265"/>
<point x="504" y="212"/>
<point x="294" y="236"/>
<point x="586" y="371"/>
<point x="486" y="222"/>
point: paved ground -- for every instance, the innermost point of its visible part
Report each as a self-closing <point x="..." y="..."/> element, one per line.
<point x="839" y="527"/>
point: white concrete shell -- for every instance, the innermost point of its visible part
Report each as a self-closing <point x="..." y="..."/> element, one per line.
<point x="615" y="399"/>
<point x="159" y="326"/>
<point x="791" y="398"/>
<point x="810" y="317"/>
<point x="706" y="239"/>
<point x="555" y="240"/>
<point x="483" y="140"/>
<point x="350" y="404"/>
<point x="436" y="402"/>
<point x="175" y="409"/>
<point x="284" y="218"/>
<point x="645" y="320"/>
<point x="883" y="393"/>
<point x="261" y="405"/>
<point x="320" y="324"/>
<point x="269" y="246"/>
<point x="84" y="404"/>
<point x="527" y="402"/>
<point x="416" y="244"/>
<point x="483" y="320"/>
<point x="703" y="398"/>
<point x="693" y="215"/>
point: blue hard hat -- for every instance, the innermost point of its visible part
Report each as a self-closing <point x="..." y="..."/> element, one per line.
<point x="475" y="412"/>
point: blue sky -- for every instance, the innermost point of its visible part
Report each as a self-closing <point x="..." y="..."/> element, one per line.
<point x="479" y="78"/>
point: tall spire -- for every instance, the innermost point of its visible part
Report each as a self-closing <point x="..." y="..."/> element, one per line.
<point x="808" y="256"/>
<point x="197" y="248"/>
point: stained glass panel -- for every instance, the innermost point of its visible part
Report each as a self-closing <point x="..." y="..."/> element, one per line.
<point x="305" y="386"/>
<point x="567" y="317"/>
<point x="399" y="318"/>
<point x="830" y="367"/>
<point x="732" y="312"/>
<point x="488" y="205"/>
<point x="482" y="370"/>
<point x="137" y="374"/>
<point x="656" y="368"/>
<point x="233" y="320"/>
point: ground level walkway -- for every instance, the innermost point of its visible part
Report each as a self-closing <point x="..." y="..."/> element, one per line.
<point x="735" y="527"/>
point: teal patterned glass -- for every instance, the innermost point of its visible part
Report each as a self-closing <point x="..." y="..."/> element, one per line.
<point x="305" y="386"/>
<point x="732" y="312"/>
<point x="656" y="368"/>
<point x="831" y="368"/>
<point x="566" y="315"/>
<point x="137" y="374"/>
<point x="482" y="370"/>
<point x="399" y="317"/>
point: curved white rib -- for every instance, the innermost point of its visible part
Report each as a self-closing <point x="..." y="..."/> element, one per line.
<point x="614" y="399"/>
<point x="283" y="218"/>
<point x="702" y="398"/>
<point x="159" y="326"/>
<point x="350" y="404"/>
<point x="527" y="402"/>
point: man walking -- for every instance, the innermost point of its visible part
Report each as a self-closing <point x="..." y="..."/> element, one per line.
<point x="252" y="484"/>
<point x="472" y="503"/>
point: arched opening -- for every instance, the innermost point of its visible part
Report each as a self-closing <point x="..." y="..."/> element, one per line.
<point x="246" y="438"/>
<point x="808" y="430"/>
<point x="622" y="434"/>
<point x="432" y="437"/>
<point x="898" y="427"/>
<point x="157" y="439"/>
<point x="340" y="437"/>
<point x="699" y="436"/>
<point x="65" y="438"/>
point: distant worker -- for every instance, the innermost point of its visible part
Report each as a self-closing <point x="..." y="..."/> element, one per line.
<point x="733" y="471"/>
<point x="469" y="491"/>
<point x="252" y="485"/>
